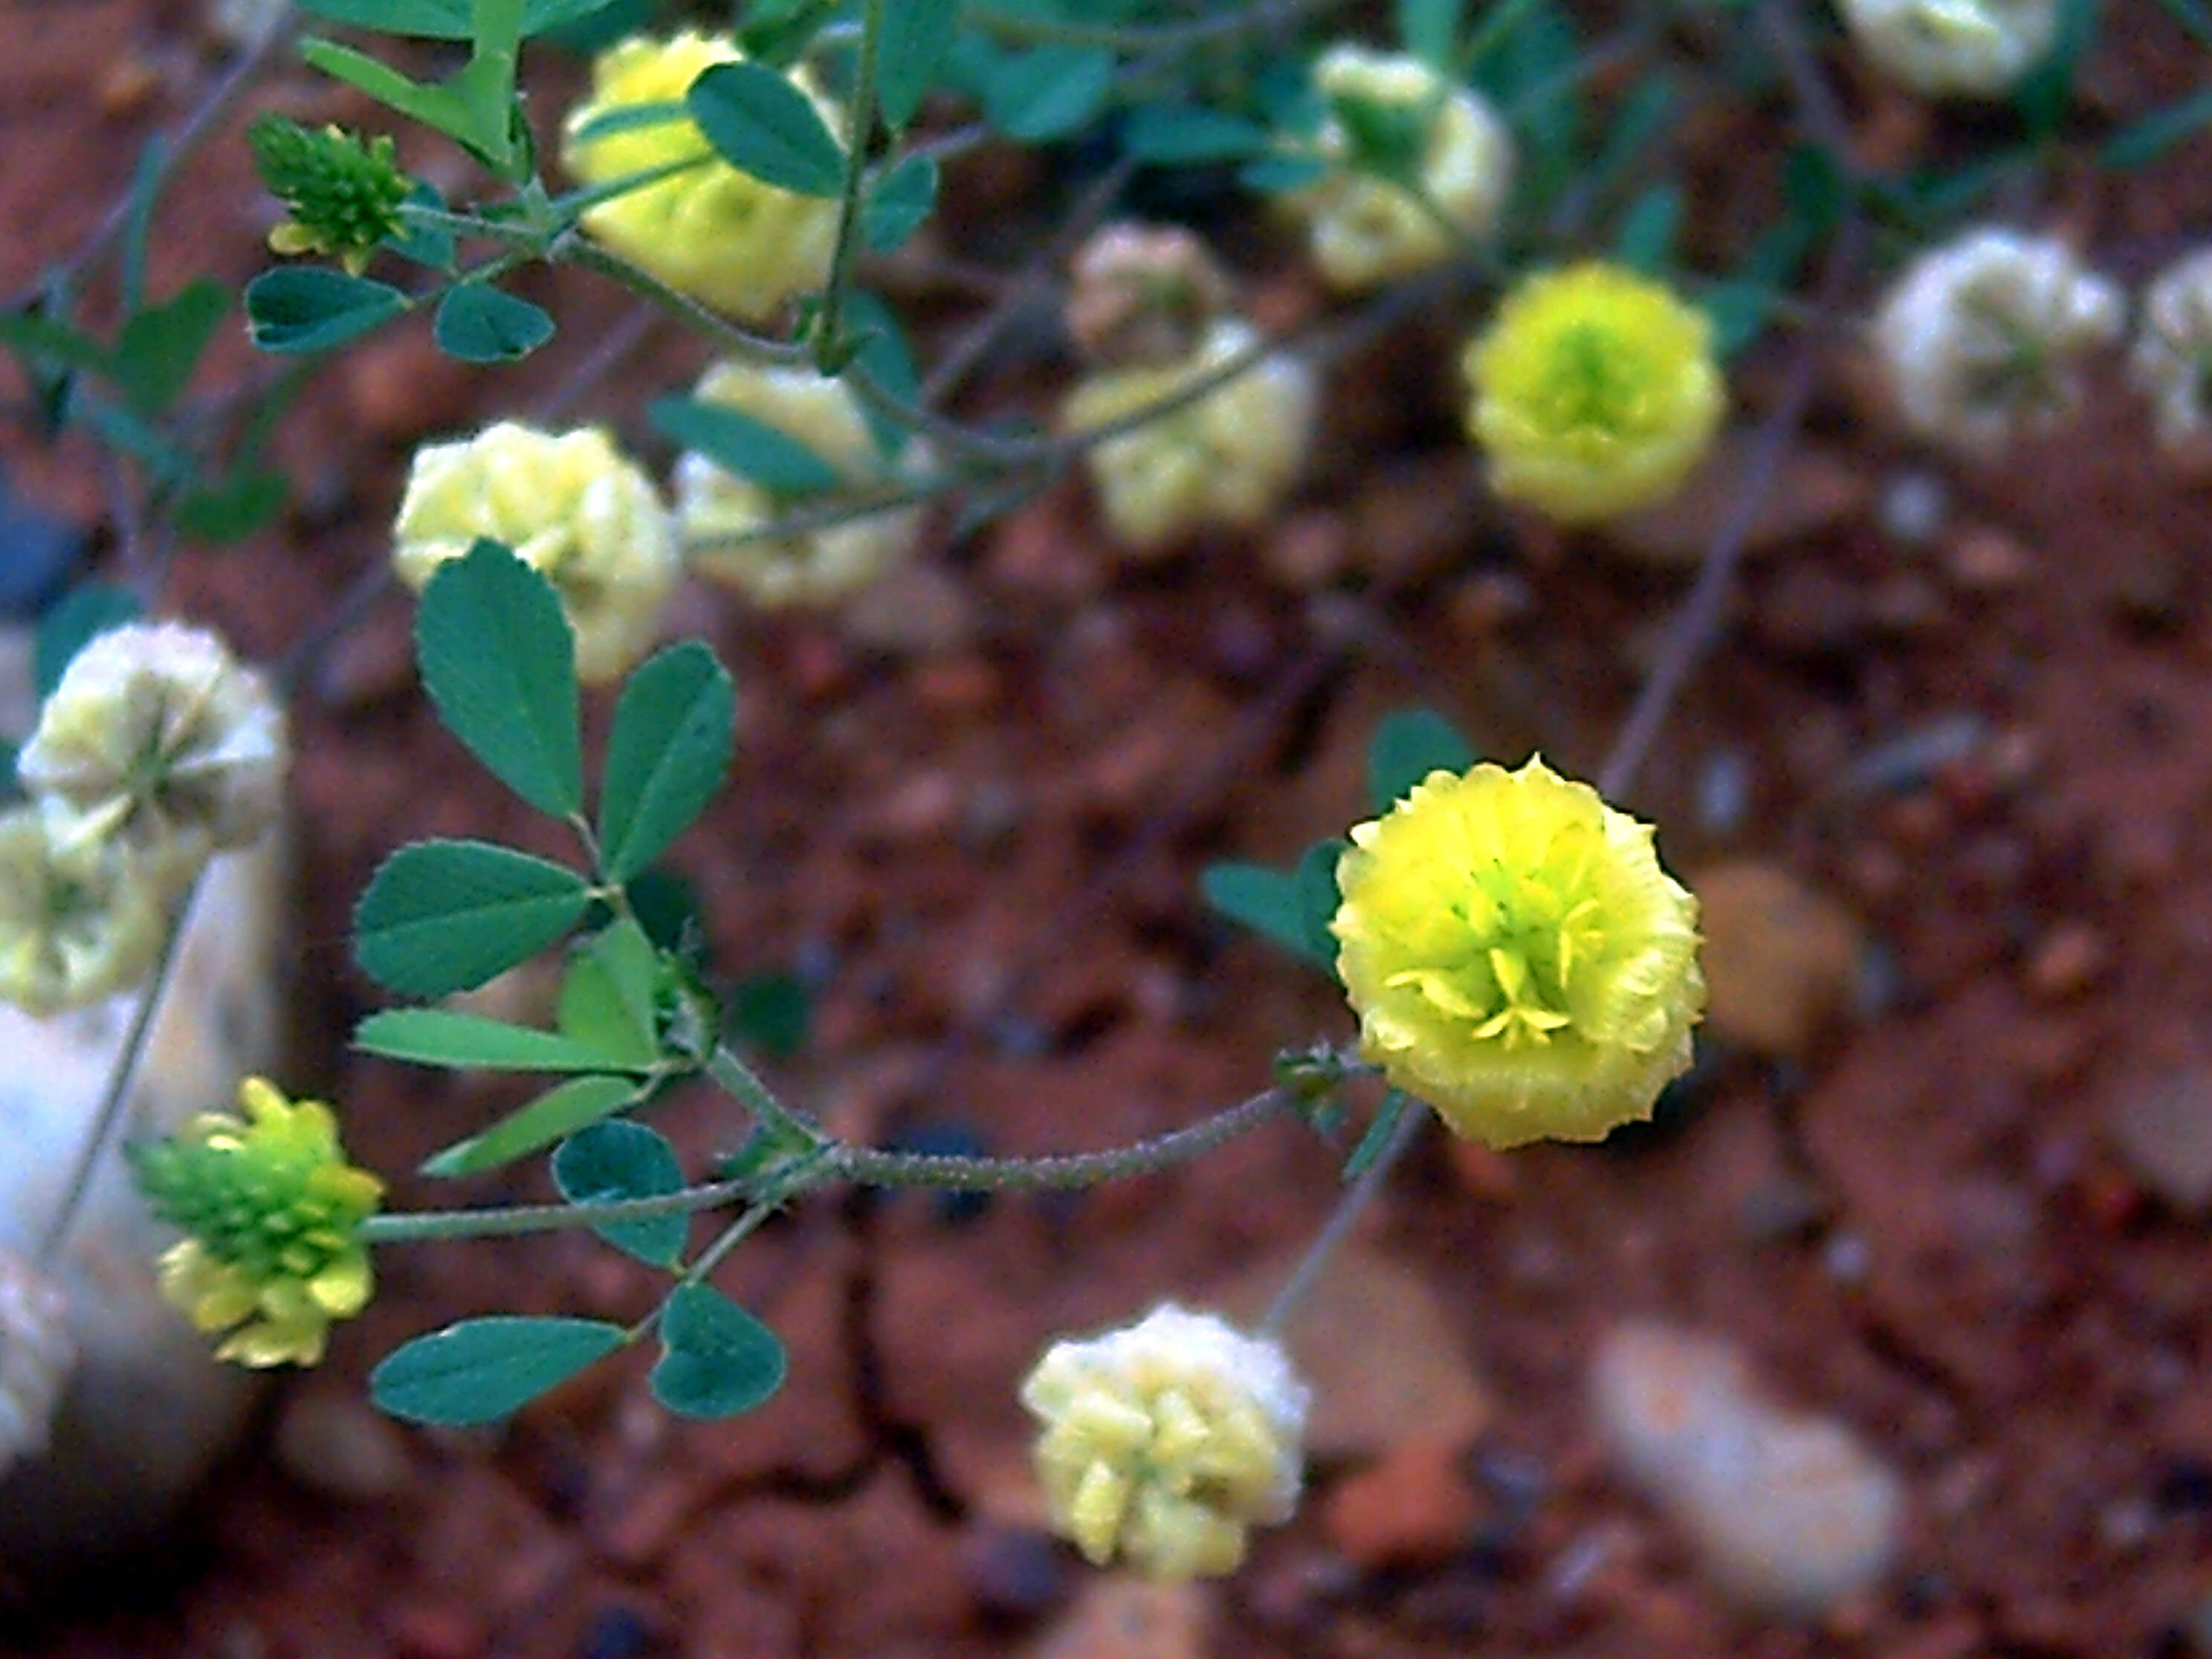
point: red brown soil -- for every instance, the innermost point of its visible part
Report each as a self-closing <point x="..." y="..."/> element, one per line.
<point x="990" y="843"/>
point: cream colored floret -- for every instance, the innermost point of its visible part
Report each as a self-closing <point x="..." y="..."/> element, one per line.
<point x="1981" y="338"/>
<point x="2170" y="362"/>
<point x="1164" y="1441"/>
<point x="74" y="935"/>
<point x="718" y="511"/>
<point x="1366" y="230"/>
<point x="573" y="507"/>
<point x="1942" y="48"/>
<point x="1227" y="458"/>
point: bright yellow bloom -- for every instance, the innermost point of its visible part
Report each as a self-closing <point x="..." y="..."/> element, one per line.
<point x="1365" y="227"/>
<point x="1516" y="957"/>
<point x="272" y="1213"/>
<point x="573" y="507"/>
<point x="1596" y="393"/>
<point x="71" y="932"/>
<point x="1226" y="458"/>
<point x="1164" y="1441"/>
<point x="160" y="741"/>
<point x="716" y="509"/>
<point x="717" y="234"/>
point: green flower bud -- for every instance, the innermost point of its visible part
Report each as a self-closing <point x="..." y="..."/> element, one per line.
<point x="343" y="192"/>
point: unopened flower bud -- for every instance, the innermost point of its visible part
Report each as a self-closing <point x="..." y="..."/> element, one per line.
<point x="1940" y="48"/>
<point x="1143" y="295"/>
<point x="342" y="192"/>
<point x="1226" y="457"/>
<point x="1980" y="337"/>
<point x="721" y="236"/>
<point x="36" y="1353"/>
<point x="2171" y="360"/>
<point x="71" y="933"/>
<point x="719" y="510"/>
<point x="158" y="741"/>
<point x="1414" y="159"/>
<point x="1164" y="1441"/>
<point x="573" y="507"/>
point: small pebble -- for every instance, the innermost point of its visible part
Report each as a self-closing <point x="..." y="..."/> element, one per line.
<point x="1724" y="789"/>
<point x="2161" y="1128"/>
<point x="616" y="1633"/>
<point x="1781" y="960"/>
<point x="1410" y="1507"/>
<point x="1125" y="1617"/>
<point x="1985" y="560"/>
<point x="2070" y="958"/>
<point x="1912" y="506"/>
<point x="1790" y="1513"/>
<point x="1015" y="1573"/>
<point x="339" y="1447"/>
<point x="1911" y="759"/>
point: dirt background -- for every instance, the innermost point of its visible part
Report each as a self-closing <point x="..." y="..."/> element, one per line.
<point x="1918" y="1190"/>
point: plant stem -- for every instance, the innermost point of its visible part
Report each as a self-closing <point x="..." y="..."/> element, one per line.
<point x="116" y="1099"/>
<point x="829" y="334"/>
<point x="1137" y="37"/>
<point x="576" y="249"/>
<point x="420" y="1226"/>
<point x="1338" y="1227"/>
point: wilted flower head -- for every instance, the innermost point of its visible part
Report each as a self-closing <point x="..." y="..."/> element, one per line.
<point x="342" y="192"/>
<point x="36" y="1352"/>
<point x="1164" y="1441"/>
<point x="1516" y="957"/>
<point x="1979" y="337"/>
<point x="1973" y="48"/>
<point x="1397" y="127"/>
<point x="1143" y="295"/>
<point x="271" y="1211"/>
<point x="71" y="933"/>
<point x="573" y="507"/>
<point x="160" y="742"/>
<point x="2171" y="360"/>
<point x="1596" y="393"/>
<point x="1226" y="458"/>
<point x="812" y="567"/>
<point x="717" y="234"/>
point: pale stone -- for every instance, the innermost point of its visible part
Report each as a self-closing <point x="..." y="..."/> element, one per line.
<point x="1781" y="960"/>
<point x="1125" y="1618"/>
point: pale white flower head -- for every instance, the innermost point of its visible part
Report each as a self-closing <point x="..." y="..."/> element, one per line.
<point x="1226" y="458"/>
<point x="160" y="742"/>
<point x="573" y="507"/>
<point x="1162" y="1442"/>
<point x="72" y="932"/>
<point x="1981" y="337"/>
<point x="1143" y="293"/>
<point x="718" y="510"/>
<point x="36" y="1353"/>
<point x="2170" y="362"/>
<point x="1364" y="230"/>
<point x="1945" y="48"/>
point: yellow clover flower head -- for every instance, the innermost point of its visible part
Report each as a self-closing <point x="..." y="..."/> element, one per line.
<point x="1164" y="1441"/>
<point x="1516" y="957"/>
<point x="1396" y="121"/>
<point x="1940" y="48"/>
<point x="36" y="1353"/>
<point x="160" y="741"/>
<point x="71" y="932"/>
<point x="1982" y="338"/>
<point x="1226" y="458"/>
<point x="573" y="507"/>
<point x="719" y="512"/>
<point x="272" y="1213"/>
<point x="1596" y="393"/>
<point x="716" y="234"/>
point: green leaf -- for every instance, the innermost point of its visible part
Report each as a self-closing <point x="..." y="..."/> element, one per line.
<point x="302" y="309"/>
<point x="1388" y="1116"/>
<point x="1430" y="30"/>
<point x="478" y="323"/>
<point x="465" y="1041"/>
<point x="898" y="202"/>
<point x="772" y="1013"/>
<point x="441" y="916"/>
<point x="737" y="443"/>
<point x="618" y="1160"/>
<point x="160" y="346"/>
<point x="482" y="1370"/>
<point x="717" y="1359"/>
<point x="82" y="614"/>
<point x="761" y="124"/>
<point x="500" y="663"/>
<point x="1319" y="898"/>
<point x="884" y="352"/>
<point x="234" y="507"/>
<point x="1274" y="175"/>
<point x="915" y="36"/>
<point x="1269" y="902"/>
<point x="674" y="728"/>
<point x="2142" y="142"/>
<point x="47" y="339"/>
<point x="1182" y="135"/>
<point x="1646" y="238"/>
<point x="1406" y="747"/>
<point x="443" y="19"/>
<point x="1047" y="92"/>
<point x="561" y="1111"/>
<point x="608" y="996"/>
<point x="2042" y="95"/>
